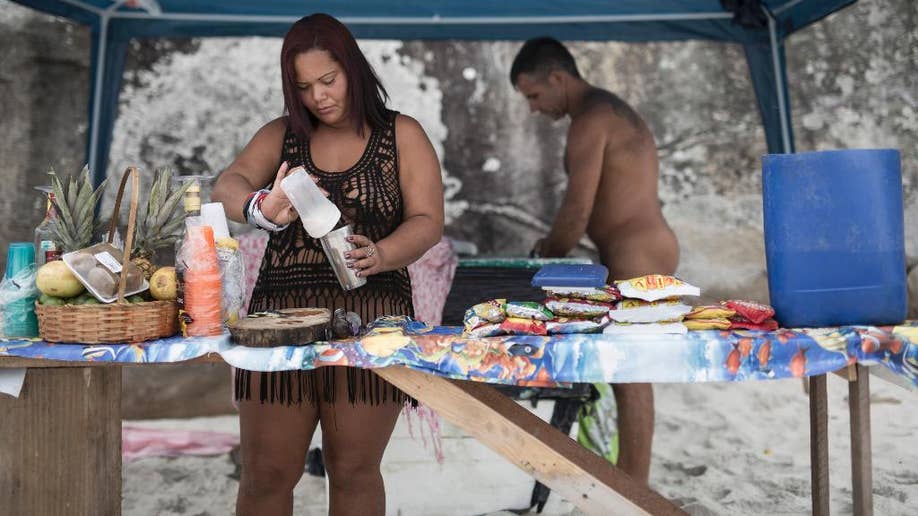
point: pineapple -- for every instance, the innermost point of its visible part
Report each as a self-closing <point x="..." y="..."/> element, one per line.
<point x="75" y="206"/>
<point x="159" y="225"/>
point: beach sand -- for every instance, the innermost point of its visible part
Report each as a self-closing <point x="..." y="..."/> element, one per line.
<point x="719" y="449"/>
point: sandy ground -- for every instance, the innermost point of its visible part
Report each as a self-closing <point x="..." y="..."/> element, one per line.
<point x="719" y="449"/>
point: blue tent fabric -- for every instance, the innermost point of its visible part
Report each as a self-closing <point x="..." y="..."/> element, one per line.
<point x="115" y="23"/>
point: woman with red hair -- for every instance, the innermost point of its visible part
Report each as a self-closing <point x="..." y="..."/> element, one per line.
<point x="380" y="169"/>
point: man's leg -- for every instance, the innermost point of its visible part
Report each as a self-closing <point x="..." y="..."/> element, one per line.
<point x="635" y="428"/>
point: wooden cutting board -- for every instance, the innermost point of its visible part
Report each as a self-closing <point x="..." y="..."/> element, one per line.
<point x="287" y="327"/>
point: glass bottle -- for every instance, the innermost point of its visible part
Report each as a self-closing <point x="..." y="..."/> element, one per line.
<point x="192" y="205"/>
<point x="45" y="248"/>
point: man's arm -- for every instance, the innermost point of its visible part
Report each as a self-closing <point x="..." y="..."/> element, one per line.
<point x="583" y="161"/>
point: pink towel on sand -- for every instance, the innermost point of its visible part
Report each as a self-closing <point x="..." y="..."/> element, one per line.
<point x="138" y="442"/>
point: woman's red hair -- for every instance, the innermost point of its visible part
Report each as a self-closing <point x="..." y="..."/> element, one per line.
<point x="366" y="95"/>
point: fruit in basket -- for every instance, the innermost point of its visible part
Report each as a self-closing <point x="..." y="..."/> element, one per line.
<point x="45" y="299"/>
<point x="136" y="298"/>
<point x="55" y="279"/>
<point x="160" y="224"/>
<point x="75" y="205"/>
<point x="163" y="284"/>
<point x="103" y="281"/>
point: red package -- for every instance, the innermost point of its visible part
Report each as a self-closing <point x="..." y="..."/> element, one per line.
<point x="520" y="326"/>
<point x="741" y="323"/>
<point x="750" y="310"/>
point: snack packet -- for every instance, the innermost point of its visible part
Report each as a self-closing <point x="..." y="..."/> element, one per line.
<point x="521" y="326"/>
<point x="656" y="286"/>
<point x="487" y="330"/>
<point x="564" y="325"/>
<point x="637" y="311"/>
<point x="710" y="312"/>
<point x="483" y="313"/>
<point x="606" y="294"/>
<point x="528" y="310"/>
<point x="581" y="308"/>
<point x="707" y="324"/>
<point x="755" y="312"/>
<point x="741" y="323"/>
<point x="676" y="328"/>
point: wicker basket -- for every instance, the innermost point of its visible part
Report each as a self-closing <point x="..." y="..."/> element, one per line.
<point x="119" y="321"/>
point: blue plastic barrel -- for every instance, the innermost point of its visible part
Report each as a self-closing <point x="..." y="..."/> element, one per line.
<point x="834" y="237"/>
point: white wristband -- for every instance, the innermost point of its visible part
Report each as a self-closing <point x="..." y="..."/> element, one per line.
<point x="258" y="219"/>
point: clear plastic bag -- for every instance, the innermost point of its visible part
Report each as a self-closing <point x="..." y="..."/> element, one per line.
<point x="232" y="275"/>
<point x="17" y="303"/>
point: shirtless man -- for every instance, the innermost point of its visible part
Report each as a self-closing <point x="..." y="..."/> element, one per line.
<point x="612" y="168"/>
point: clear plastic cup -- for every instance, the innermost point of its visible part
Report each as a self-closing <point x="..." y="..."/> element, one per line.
<point x="335" y="244"/>
<point x="318" y="214"/>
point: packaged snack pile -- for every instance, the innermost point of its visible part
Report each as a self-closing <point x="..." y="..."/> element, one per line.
<point x="750" y="315"/>
<point x="652" y="305"/>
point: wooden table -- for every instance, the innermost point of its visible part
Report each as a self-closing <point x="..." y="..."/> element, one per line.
<point x="60" y="441"/>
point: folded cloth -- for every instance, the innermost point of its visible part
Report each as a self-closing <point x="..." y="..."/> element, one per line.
<point x="138" y="442"/>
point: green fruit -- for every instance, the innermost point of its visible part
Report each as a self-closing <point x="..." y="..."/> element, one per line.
<point x="136" y="298"/>
<point x="92" y="301"/>
<point x="45" y="299"/>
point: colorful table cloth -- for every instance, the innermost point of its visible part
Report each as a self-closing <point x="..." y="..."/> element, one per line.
<point x="699" y="356"/>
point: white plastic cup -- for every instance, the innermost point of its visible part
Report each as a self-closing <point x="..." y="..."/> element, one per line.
<point x="212" y="215"/>
<point x="318" y="214"/>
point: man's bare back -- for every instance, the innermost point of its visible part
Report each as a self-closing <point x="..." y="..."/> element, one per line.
<point x="626" y="223"/>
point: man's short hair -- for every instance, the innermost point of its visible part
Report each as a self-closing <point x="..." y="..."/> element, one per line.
<point x="542" y="56"/>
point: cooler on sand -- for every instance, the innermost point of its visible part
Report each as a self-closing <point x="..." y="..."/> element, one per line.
<point x="834" y="237"/>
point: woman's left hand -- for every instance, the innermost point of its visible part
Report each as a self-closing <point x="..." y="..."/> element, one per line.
<point x="367" y="259"/>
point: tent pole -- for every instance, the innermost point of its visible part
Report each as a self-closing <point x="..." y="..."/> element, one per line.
<point x="780" y="84"/>
<point x="100" y="60"/>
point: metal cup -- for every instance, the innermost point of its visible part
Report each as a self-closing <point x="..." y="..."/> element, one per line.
<point x="335" y="244"/>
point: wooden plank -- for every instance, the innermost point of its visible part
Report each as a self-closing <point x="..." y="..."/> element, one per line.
<point x="556" y="460"/>
<point x="819" y="444"/>
<point x="60" y="443"/>
<point x="861" y="463"/>
<point x="39" y="363"/>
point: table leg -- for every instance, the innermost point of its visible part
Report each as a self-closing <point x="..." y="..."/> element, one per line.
<point x="580" y="476"/>
<point x="861" y="467"/>
<point x="60" y="443"/>
<point x="819" y="444"/>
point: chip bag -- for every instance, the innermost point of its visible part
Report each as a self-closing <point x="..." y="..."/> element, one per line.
<point x="564" y="325"/>
<point x="637" y="311"/>
<point x="710" y="312"/>
<point x="528" y="310"/>
<point x="483" y="313"/>
<point x="707" y="324"/>
<point x="487" y="330"/>
<point x="741" y="323"/>
<point x="656" y="286"/>
<point x="521" y="326"/>
<point x="755" y="312"/>
<point x="606" y="294"/>
<point x="676" y="328"/>
<point x="581" y="308"/>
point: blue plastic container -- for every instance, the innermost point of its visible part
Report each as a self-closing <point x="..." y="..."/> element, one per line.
<point x="834" y="237"/>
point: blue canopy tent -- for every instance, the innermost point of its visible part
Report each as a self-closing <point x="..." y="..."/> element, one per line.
<point x="759" y="25"/>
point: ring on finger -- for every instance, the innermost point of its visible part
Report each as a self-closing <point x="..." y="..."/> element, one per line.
<point x="371" y="250"/>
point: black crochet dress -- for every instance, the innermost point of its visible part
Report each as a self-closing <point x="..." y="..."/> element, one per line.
<point x="295" y="272"/>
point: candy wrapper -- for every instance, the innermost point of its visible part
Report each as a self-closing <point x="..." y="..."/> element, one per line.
<point x="710" y="312"/>
<point x="755" y="312"/>
<point x="674" y="328"/>
<point x="520" y="326"/>
<point x="605" y="294"/>
<point x="636" y="311"/>
<point x="488" y="330"/>
<point x="563" y="325"/>
<point x="741" y="323"/>
<point x="528" y="310"/>
<point x="656" y="286"/>
<point x="483" y="313"/>
<point x="577" y="307"/>
<point x="707" y="324"/>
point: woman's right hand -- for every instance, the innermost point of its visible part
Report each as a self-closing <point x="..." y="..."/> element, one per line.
<point x="277" y="207"/>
